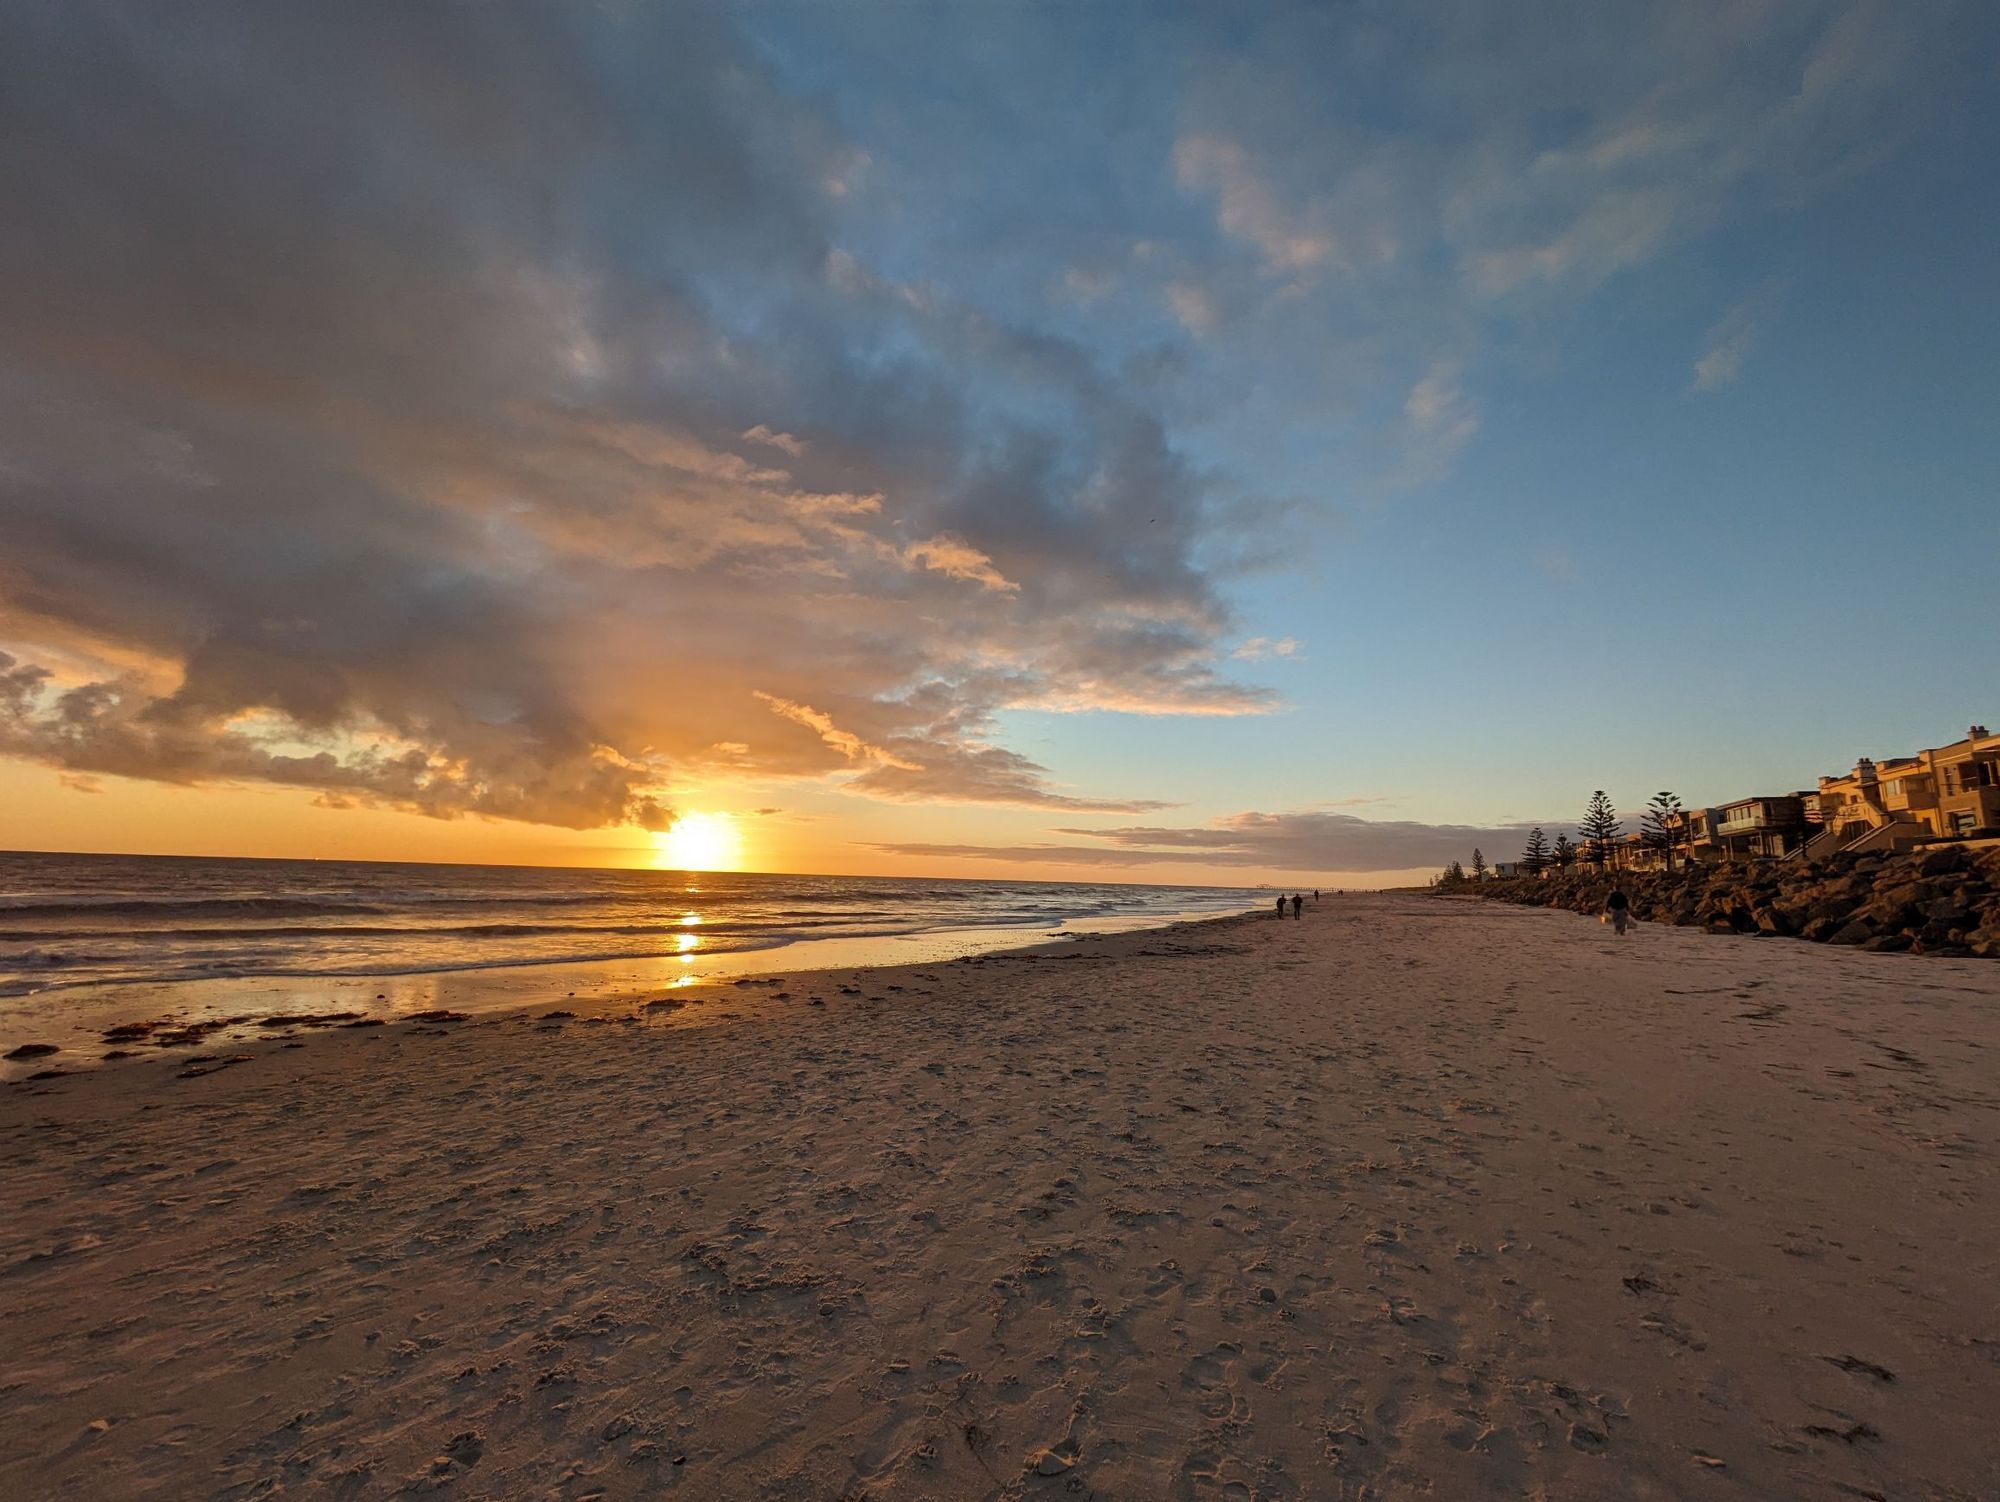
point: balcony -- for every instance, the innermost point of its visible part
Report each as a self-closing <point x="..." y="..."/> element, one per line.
<point x="1971" y="777"/>
<point x="1742" y="823"/>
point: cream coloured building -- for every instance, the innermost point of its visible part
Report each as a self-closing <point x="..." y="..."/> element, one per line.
<point x="1947" y="790"/>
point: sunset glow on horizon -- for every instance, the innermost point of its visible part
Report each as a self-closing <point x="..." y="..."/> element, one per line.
<point x="700" y="842"/>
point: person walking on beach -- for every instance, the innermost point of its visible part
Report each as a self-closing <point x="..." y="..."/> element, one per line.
<point x="1619" y="910"/>
<point x="1281" y="904"/>
<point x="1297" y="903"/>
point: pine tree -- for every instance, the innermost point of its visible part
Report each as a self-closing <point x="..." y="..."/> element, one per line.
<point x="1478" y="865"/>
<point x="1454" y="872"/>
<point x="1664" y="825"/>
<point x="1564" y="853"/>
<point x="1536" y="853"/>
<point x="1599" y="830"/>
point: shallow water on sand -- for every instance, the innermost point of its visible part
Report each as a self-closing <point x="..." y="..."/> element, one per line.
<point x="87" y="942"/>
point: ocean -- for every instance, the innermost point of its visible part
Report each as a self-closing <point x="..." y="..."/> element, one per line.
<point x="103" y="929"/>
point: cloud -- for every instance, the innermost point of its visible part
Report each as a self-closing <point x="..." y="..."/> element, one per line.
<point x="379" y="445"/>
<point x="950" y="760"/>
<point x="1728" y="343"/>
<point x="846" y="742"/>
<point x="957" y="559"/>
<point x="1084" y="285"/>
<point x="1257" y="647"/>
<point x="1475" y="180"/>
<point x="785" y="441"/>
<point x="1312" y="841"/>
<point x="1439" y="419"/>
<point x="1194" y="307"/>
<point x="1247" y="206"/>
<point x="1698" y="111"/>
<point x="1616" y="229"/>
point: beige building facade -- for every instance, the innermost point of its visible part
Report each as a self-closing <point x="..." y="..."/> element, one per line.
<point x="1947" y="790"/>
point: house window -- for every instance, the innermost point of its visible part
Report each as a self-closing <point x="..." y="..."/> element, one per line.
<point x="1969" y="775"/>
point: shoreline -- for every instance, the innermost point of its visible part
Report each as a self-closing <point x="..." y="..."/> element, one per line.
<point x="231" y="1011"/>
<point x="1404" y="1197"/>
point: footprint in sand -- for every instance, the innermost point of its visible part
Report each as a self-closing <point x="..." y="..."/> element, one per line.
<point x="1214" y="1376"/>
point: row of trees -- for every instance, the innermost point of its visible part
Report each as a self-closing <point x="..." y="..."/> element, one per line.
<point x="1664" y="828"/>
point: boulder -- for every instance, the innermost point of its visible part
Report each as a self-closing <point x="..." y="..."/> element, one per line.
<point x="1910" y="898"/>
<point x="1944" y="861"/>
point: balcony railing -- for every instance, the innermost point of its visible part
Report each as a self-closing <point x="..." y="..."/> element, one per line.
<point x="1738" y="824"/>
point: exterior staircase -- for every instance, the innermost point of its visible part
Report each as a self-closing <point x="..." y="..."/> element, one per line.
<point x="1891" y="834"/>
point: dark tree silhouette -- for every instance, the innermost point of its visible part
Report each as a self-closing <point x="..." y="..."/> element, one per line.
<point x="1664" y="826"/>
<point x="1478" y="865"/>
<point x="1563" y="853"/>
<point x="1535" y="855"/>
<point x="1599" y="830"/>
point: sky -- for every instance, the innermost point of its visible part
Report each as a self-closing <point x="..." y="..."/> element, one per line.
<point x="1106" y="441"/>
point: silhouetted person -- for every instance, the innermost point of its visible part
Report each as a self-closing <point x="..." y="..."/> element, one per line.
<point x="1619" y="910"/>
<point x="1297" y="903"/>
<point x="1315" y="894"/>
<point x="1281" y="904"/>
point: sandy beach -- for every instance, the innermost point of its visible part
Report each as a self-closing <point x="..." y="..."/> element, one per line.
<point x="1409" y="1197"/>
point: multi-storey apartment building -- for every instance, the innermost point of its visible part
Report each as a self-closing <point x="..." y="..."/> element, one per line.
<point x="1946" y="790"/>
<point x="1968" y="774"/>
<point x="1696" y="829"/>
<point x="1766" y="826"/>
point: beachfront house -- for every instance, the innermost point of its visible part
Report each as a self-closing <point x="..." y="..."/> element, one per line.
<point x="1694" y="843"/>
<point x="1897" y="803"/>
<point x="1631" y="853"/>
<point x="1761" y="828"/>
<point x="1968" y="773"/>
<point x="1699" y="841"/>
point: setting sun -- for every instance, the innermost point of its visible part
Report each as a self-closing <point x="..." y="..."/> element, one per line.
<point x="699" y="842"/>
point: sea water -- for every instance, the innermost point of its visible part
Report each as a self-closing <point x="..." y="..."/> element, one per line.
<point x="68" y="920"/>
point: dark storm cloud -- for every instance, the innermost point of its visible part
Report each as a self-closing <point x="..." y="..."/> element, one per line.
<point x="469" y="408"/>
<point x="1311" y="842"/>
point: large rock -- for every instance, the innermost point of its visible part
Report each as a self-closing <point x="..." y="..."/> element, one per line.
<point x="1941" y="900"/>
<point x="1942" y="862"/>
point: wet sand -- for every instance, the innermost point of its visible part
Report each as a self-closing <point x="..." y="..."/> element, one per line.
<point x="1411" y="1196"/>
<point x="220" y="1012"/>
